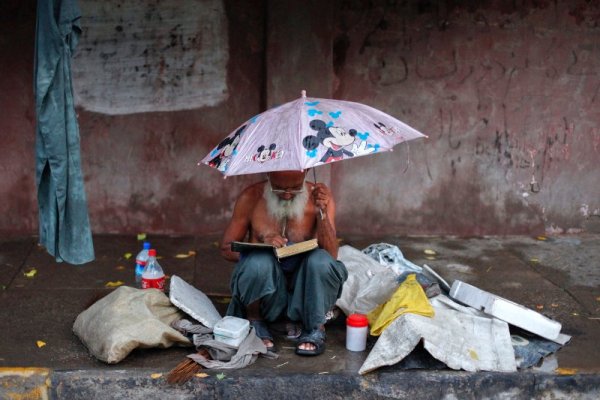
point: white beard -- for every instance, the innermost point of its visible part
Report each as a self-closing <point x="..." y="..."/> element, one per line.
<point x="290" y="209"/>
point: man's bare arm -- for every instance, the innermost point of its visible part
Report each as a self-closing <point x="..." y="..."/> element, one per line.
<point x="238" y="226"/>
<point x="326" y="234"/>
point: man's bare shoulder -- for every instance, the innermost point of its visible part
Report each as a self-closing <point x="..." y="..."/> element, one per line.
<point x="252" y="193"/>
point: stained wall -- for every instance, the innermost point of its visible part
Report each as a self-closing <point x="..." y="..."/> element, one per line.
<point x="508" y="93"/>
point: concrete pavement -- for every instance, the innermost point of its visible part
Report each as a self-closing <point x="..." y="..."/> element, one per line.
<point x="558" y="276"/>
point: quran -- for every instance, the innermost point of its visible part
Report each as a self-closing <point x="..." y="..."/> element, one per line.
<point x="280" y="252"/>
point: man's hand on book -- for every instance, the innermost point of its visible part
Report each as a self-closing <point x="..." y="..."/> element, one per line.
<point x="275" y="240"/>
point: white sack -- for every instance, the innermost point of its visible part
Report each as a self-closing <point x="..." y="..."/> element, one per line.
<point x="126" y="319"/>
<point x="455" y="336"/>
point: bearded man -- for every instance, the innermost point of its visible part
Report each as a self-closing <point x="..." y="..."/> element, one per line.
<point x="282" y="210"/>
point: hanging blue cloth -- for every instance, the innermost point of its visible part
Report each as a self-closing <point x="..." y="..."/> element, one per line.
<point x="63" y="215"/>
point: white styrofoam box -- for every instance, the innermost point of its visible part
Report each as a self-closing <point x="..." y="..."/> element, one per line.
<point x="231" y="330"/>
<point x="193" y="302"/>
<point x="506" y="310"/>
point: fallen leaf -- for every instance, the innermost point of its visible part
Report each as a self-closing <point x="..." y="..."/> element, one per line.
<point x="31" y="273"/>
<point x="565" y="371"/>
<point x="127" y="256"/>
<point x="575" y="314"/>
<point x="201" y="375"/>
<point x="114" y="284"/>
<point x="215" y="244"/>
<point x="120" y="267"/>
<point x="223" y="300"/>
<point x="430" y="258"/>
<point x="489" y="269"/>
<point x="539" y="306"/>
<point x="156" y="376"/>
<point x="182" y="255"/>
<point x="542" y="238"/>
<point x="554" y="305"/>
<point x="159" y="257"/>
<point x="40" y="344"/>
<point x="221" y="376"/>
<point x="141" y="236"/>
<point x="192" y="253"/>
<point x="534" y="260"/>
<point x="430" y="252"/>
<point x="473" y="354"/>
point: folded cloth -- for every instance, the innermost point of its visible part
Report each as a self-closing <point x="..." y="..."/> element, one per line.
<point x="408" y="298"/>
<point x="222" y="355"/>
<point x="225" y="356"/>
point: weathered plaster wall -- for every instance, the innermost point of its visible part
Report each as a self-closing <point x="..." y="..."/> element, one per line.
<point x="18" y="207"/>
<point x="139" y="168"/>
<point x="504" y="90"/>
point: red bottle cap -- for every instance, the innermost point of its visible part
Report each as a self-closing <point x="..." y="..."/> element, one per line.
<point x="152" y="253"/>
<point x="357" y="320"/>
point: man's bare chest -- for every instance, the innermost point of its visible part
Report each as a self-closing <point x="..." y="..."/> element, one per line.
<point x="262" y="224"/>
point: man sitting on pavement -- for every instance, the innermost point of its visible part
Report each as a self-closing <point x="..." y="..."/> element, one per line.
<point x="282" y="210"/>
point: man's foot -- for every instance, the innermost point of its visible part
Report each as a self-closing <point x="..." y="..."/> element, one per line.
<point x="311" y="343"/>
<point x="293" y="330"/>
<point x="262" y="331"/>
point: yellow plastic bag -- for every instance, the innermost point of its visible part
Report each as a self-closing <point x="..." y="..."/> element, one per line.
<point x="408" y="298"/>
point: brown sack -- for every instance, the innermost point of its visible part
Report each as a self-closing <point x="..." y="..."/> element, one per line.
<point x="126" y="319"/>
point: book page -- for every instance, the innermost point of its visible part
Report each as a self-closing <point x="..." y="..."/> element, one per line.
<point x="296" y="248"/>
<point x="281" y="252"/>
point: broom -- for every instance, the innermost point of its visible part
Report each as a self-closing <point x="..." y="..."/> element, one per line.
<point x="185" y="370"/>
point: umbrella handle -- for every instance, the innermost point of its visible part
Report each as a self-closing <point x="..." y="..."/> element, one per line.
<point x="315" y="178"/>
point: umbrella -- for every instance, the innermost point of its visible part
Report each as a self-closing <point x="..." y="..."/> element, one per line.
<point x="306" y="133"/>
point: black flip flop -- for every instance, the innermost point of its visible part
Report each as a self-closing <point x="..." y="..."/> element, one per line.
<point x="293" y="330"/>
<point x="315" y="337"/>
<point x="262" y="331"/>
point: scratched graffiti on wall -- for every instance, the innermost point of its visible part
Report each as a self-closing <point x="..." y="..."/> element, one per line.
<point x="498" y="102"/>
<point x="144" y="56"/>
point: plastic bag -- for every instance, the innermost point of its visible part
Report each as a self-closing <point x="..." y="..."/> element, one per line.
<point x="408" y="298"/>
<point x="368" y="285"/>
<point x="391" y="256"/>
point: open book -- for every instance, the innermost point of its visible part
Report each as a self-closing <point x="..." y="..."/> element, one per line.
<point x="281" y="252"/>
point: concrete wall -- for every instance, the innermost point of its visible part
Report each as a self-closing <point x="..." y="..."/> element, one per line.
<point x="505" y="91"/>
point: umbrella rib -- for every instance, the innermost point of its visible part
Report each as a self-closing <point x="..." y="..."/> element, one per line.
<point x="299" y="153"/>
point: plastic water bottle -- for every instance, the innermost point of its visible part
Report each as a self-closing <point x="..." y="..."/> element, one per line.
<point x="153" y="276"/>
<point x="357" y="326"/>
<point x="140" y="263"/>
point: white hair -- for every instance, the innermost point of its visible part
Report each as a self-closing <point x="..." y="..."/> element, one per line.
<point x="279" y="208"/>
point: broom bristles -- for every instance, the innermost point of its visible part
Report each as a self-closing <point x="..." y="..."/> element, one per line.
<point x="185" y="370"/>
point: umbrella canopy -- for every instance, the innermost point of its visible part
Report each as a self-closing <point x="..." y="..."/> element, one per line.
<point x="306" y="133"/>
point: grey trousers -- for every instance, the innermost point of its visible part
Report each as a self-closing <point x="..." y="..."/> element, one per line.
<point x="305" y="295"/>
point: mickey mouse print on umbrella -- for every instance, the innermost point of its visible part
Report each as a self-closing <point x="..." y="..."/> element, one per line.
<point x="306" y="133"/>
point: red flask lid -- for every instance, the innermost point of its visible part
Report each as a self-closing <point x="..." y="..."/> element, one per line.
<point x="357" y="320"/>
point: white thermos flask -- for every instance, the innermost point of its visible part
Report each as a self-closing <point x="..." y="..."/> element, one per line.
<point x="357" y="327"/>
